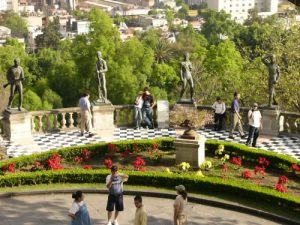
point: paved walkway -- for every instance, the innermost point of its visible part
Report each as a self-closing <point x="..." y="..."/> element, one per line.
<point x="48" y="141"/>
<point x="52" y="209"/>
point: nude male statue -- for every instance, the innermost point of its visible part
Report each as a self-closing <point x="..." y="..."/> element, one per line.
<point x="186" y="76"/>
<point x="101" y="68"/>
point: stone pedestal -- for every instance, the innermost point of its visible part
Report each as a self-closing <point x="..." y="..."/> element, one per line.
<point x="103" y="116"/>
<point x="270" y="122"/>
<point x="163" y="114"/>
<point x="17" y="125"/>
<point x="190" y="151"/>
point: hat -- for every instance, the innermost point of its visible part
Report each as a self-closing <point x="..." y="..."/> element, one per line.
<point x="255" y="104"/>
<point x="180" y="188"/>
<point x="141" y="92"/>
<point x="114" y="168"/>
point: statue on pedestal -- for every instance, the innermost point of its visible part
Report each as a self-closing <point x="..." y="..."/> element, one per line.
<point x="101" y="69"/>
<point x="15" y="76"/>
<point x="274" y="74"/>
<point x="186" y="76"/>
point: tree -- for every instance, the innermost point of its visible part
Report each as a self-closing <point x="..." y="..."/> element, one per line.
<point x="217" y="24"/>
<point x="51" y="35"/>
<point x="17" y="24"/>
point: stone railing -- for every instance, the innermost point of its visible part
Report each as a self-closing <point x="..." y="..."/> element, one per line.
<point x="289" y="124"/>
<point x="55" y="120"/>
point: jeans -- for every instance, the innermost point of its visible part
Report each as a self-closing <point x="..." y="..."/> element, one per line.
<point x="138" y="117"/>
<point x="148" y="117"/>
<point x="253" y="133"/>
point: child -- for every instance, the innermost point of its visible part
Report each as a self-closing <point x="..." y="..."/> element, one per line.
<point x="78" y="211"/>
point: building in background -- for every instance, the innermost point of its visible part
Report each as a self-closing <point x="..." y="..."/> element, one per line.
<point x="3" y="6"/>
<point x="239" y="9"/>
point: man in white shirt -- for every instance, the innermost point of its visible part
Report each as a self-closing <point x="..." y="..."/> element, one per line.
<point x="86" y="115"/>
<point x="254" y="117"/>
<point x="219" y="108"/>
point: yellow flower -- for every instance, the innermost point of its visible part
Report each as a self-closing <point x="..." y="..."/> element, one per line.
<point x="184" y="166"/>
<point x="168" y="171"/>
<point x="199" y="173"/>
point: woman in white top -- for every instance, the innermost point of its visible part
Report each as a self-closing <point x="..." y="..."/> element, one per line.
<point x="180" y="203"/>
<point x="138" y="110"/>
<point x="254" y="117"/>
<point x="219" y="108"/>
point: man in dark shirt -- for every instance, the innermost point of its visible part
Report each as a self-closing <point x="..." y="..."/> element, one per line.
<point x="147" y="109"/>
<point x="236" y="119"/>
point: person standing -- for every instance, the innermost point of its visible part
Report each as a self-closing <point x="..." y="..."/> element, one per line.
<point x="78" y="211"/>
<point x="15" y="76"/>
<point x="147" y="109"/>
<point x="86" y="115"/>
<point x="219" y="108"/>
<point x="180" y="204"/>
<point x="140" y="217"/>
<point x="236" y="119"/>
<point x="114" y="183"/>
<point x="254" y="117"/>
<point x="138" y="104"/>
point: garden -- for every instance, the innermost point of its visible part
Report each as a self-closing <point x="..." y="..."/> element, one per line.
<point x="230" y="169"/>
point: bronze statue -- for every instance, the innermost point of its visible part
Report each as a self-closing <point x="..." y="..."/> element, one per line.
<point x="274" y="74"/>
<point x="186" y="76"/>
<point x="101" y="68"/>
<point x="15" y="76"/>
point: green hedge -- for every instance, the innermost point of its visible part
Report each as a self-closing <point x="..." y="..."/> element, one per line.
<point x="193" y="183"/>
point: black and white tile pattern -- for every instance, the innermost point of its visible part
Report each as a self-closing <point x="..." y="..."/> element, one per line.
<point x="281" y="144"/>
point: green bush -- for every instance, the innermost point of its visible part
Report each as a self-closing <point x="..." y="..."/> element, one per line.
<point x="194" y="184"/>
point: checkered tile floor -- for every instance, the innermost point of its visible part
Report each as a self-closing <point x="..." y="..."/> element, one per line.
<point x="281" y="144"/>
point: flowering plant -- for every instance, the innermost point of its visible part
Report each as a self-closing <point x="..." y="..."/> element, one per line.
<point x="87" y="167"/>
<point x="224" y="168"/>
<point x="263" y="161"/>
<point x="295" y="167"/>
<point x="78" y="159"/>
<point x="108" y="163"/>
<point x="280" y="187"/>
<point x="126" y="153"/>
<point x="206" y="165"/>
<point x="247" y="174"/>
<point x="168" y="171"/>
<point x="259" y="170"/>
<point x="37" y="166"/>
<point x="10" y="167"/>
<point x="225" y="157"/>
<point x="112" y="148"/>
<point x="54" y="162"/>
<point x="219" y="150"/>
<point x="199" y="173"/>
<point x="283" y="180"/>
<point x="139" y="163"/>
<point x="156" y="154"/>
<point x="184" y="166"/>
<point x="236" y="161"/>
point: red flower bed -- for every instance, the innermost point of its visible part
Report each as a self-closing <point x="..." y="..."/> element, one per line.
<point x="108" y="163"/>
<point x="295" y="167"/>
<point x="87" y="167"/>
<point x="281" y="187"/>
<point x="236" y="160"/>
<point x="247" y="174"/>
<point x="263" y="161"/>
<point x="10" y="168"/>
<point x="54" y="162"/>
<point x="139" y="163"/>
<point x="259" y="170"/>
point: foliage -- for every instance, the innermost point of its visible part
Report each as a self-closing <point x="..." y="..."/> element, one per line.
<point x="206" y="165"/>
<point x="51" y="35"/>
<point x="184" y="166"/>
<point x="189" y="117"/>
<point x="16" y="23"/>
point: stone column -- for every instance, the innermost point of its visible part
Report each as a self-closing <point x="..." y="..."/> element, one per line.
<point x="162" y="114"/>
<point x="103" y="116"/>
<point x="17" y="125"/>
<point x="190" y="151"/>
<point x="270" y="122"/>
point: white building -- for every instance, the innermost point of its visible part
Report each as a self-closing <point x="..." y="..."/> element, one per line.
<point x="3" y="6"/>
<point x="238" y="9"/>
<point x="12" y="5"/>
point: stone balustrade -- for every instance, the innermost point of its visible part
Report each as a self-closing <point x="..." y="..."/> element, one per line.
<point x="55" y="120"/>
<point x="123" y="115"/>
<point x="289" y="124"/>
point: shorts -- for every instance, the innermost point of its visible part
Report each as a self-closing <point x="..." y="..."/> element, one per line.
<point x="115" y="201"/>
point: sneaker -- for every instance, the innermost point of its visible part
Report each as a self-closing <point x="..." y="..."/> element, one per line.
<point x="109" y="223"/>
<point x="231" y="137"/>
<point x="81" y="134"/>
<point x="91" y="134"/>
<point x="115" y="222"/>
<point x="243" y="136"/>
